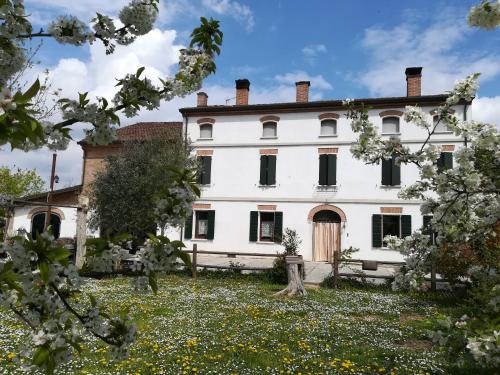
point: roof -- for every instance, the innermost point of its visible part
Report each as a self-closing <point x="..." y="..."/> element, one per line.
<point x="388" y="102"/>
<point x="149" y="130"/>
<point x="76" y="189"/>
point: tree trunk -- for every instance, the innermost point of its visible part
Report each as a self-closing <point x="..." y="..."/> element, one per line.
<point x="295" y="285"/>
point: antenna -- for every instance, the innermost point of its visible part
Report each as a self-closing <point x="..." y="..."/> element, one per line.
<point x="228" y="100"/>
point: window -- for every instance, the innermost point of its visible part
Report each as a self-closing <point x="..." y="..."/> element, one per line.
<point x="38" y="224"/>
<point x="204" y="174"/>
<point x="440" y="125"/>
<point x="328" y="169"/>
<point x="201" y="229"/>
<point x="427" y="229"/>
<point x="389" y="225"/>
<point x="266" y="226"/>
<point x="328" y="128"/>
<point x="206" y="131"/>
<point x="204" y="225"/>
<point x="391" y="173"/>
<point x="269" y="130"/>
<point x="268" y="169"/>
<point x="445" y="161"/>
<point x="390" y="125"/>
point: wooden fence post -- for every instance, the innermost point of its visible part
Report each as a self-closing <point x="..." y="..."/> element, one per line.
<point x="194" y="267"/>
<point x="81" y="231"/>
<point x="433" y="277"/>
<point x="336" y="269"/>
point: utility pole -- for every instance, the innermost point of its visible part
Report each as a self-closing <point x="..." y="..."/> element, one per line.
<point x="49" y="195"/>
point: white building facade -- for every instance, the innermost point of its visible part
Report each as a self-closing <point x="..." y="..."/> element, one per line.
<point x="267" y="167"/>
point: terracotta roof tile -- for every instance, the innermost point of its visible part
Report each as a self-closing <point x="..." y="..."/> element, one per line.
<point x="148" y="130"/>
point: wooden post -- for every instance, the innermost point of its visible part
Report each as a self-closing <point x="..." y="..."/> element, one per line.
<point x="433" y="277"/>
<point x="194" y="267"/>
<point x="81" y="230"/>
<point x="336" y="269"/>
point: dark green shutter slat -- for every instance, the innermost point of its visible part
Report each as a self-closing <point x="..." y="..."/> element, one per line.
<point x="278" y="226"/>
<point x="254" y="222"/>
<point x="332" y="169"/>
<point x="188" y="227"/>
<point x="199" y="176"/>
<point x="376" y="230"/>
<point x="396" y="173"/>
<point x="426" y="226"/>
<point x="271" y="170"/>
<point x="386" y="172"/>
<point x="447" y="160"/>
<point x="207" y="166"/>
<point x="263" y="169"/>
<point x="405" y="226"/>
<point x="211" y="225"/>
<point x="323" y="169"/>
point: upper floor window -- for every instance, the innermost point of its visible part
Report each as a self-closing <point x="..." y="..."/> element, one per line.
<point x="206" y="131"/>
<point x="391" y="172"/>
<point x="269" y="130"/>
<point x="267" y="170"/>
<point x="204" y="173"/>
<point x="445" y="161"/>
<point x="328" y="169"/>
<point x="390" y="125"/>
<point x="328" y="128"/>
<point x="440" y="126"/>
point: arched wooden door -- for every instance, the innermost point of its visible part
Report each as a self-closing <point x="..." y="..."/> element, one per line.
<point x="326" y="235"/>
<point x="38" y="223"/>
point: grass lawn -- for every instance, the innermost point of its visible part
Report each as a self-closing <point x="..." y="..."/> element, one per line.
<point x="234" y="325"/>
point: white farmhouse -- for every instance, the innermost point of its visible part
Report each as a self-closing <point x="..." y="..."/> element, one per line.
<point x="271" y="166"/>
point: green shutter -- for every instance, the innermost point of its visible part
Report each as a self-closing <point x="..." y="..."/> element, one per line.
<point x="323" y="169"/>
<point x="211" y="224"/>
<point x="207" y="166"/>
<point x="188" y="227"/>
<point x="405" y="226"/>
<point x="395" y="173"/>
<point x="271" y="170"/>
<point x="376" y="230"/>
<point x="263" y="169"/>
<point x="386" y="172"/>
<point x="426" y="229"/>
<point x="199" y="175"/>
<point x="278" y="227"/>
<point x="332" y="169"/>
<point x="447" y="160"/>
<point x="254" y="223"/>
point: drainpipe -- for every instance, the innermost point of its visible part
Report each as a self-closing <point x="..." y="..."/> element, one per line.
<point x="186" y="119"/>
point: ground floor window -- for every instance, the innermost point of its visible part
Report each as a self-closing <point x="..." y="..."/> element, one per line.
<point x="201" y="224"/>
<point x="38" y="224"/>
<point x="266" y="226"/>
<point x="204" y="225"/>
<point x="389" y="225"/>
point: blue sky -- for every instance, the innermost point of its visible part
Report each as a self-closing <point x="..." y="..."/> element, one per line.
<point x="346" y="48"/>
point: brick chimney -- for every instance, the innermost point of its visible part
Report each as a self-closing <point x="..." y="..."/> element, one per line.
<point x="242" y="89"/>
<point x="413" y="81"/>
<point x="202" y="99"/>
<point x="302" y="91"/>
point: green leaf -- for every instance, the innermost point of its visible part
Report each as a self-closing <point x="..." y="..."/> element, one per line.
<point x="44" y="271"/>
<point x="58" y="254"/>
<point x="41" y="356"/>
<point x="31" y="92"/>
<point x="139" y="71"/>
<point x="183" y="256"/>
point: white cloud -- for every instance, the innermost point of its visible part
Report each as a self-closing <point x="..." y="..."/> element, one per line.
<point x="486" y="109"/>
<point x="433" y="48"/>
<point x="317" y="82"/>
<point x="234" y="9"/>
<point x="313" y="50"/>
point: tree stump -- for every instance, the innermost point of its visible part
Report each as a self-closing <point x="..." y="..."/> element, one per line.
<point x="295" y="285"/>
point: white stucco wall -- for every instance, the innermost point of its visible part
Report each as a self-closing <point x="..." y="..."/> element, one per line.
<point x="68" y="224"/>
<point x="234" y="190"/>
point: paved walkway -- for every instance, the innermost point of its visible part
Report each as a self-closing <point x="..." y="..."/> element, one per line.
<point x="316" y="272"/>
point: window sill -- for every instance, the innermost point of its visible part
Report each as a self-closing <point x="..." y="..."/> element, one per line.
<point x="200" y="240"/>
<point x="390" y="186"/>
<point x="389" y="134"/>
<point x="266" y="243"/>
<point x="327" y="187"/>
<point x="205" y="139"/>
<point x="384" y="249"/>
<point x="267" y="186"/>
<point x="328" y="136"/>
<point x="268" y="137"/>
<point x="443" y="132"/>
